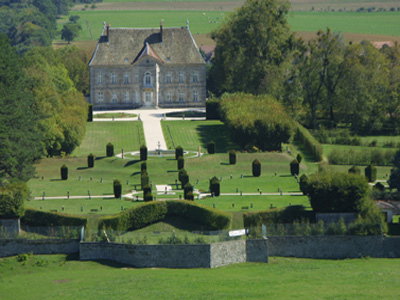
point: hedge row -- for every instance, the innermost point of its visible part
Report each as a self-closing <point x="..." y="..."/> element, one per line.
<point x="304" y="137"/>
<point x="152" y="212"/>
<point x="35" y="217"/>
<point x="377" y="157"/>
<point x="275" y="216"/>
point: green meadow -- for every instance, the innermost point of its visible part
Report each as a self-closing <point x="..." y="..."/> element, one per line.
<point x="64" y="277"/>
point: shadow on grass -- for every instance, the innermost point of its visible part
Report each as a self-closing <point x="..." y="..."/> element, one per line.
<point x="82" y="168"/>
<point x="172" y="171"/>
<point x="225" y="164"/>
<point x="135" y="173"/>
<point x="100" y="157"/>
<point x="112" y="264"/>
<point x="285" y="175"/>
<point x="217" y="133"/>
<point x="56" y="180"/>
<point x="131" y="162"/>
<point x="72" y="256"/>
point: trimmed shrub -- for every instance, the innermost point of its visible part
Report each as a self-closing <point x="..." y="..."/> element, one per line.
<point x="35" y="217"/>
<point x="215" y="186"/>
<point x="182" y="173"/>
<point x="256" y="168"/>
<point x="178" y="152"/>
<point x="189" y="196"/>
<point x="355" y="170"/>
<point x="232" y="157"/>
<point x="180" y="162"/>
<point x="144" y="179"/>
<point x="212" y="110"/>
<point x="294" y="167"/>
<point x="188" y="188"/>
<point x="303" y="184"/>
<point x="148" y="197"/>
<point x="117" y="188"/>
<point x="90" y="160"/>
<point x="370" y="173"/>
<point x="299" y="157"/>
<point x="304" y="137"/>
<point x="12" y="198"/>
<point x="143" y="153"/>
<point x="110" y="150"/>
<point x="146" y="189"/>
<point x="64" y="172"/>
<point x="211" y="147"/>
<point x="152" y="212"/>
<point x="379" y="186"/>
<point x="184" y="178"/>
<point x="143" y="167"/>
<point x="90" y="113"/>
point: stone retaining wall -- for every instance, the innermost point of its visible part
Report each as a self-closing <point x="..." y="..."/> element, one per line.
<point x="9" y="227"/>
<point x="9" y="247"/>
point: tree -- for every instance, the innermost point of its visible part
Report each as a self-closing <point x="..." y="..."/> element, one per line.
<point x="69" y="32"/>
<point x="253" y="49"/>
<point x="12" y="197"/>
<point x="394" y="179"/>
<point x="20" y="142"/>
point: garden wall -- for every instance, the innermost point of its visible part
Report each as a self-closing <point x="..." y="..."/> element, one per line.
<point x="334" y="247"/>
<point x="9" y="247"/>
<point x="9" y="227"/>
<point x="177" y="256"/>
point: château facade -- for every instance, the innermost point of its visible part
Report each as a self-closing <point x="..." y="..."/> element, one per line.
<point x="133" y="67"/>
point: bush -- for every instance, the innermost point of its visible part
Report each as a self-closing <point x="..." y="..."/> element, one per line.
<point x="178" y="152"/>
<point x="181" y="173"/>
<point x="38" y="218"/>
<point x="370" y="173"/>
<point x="189" y="196"/>
<point x="212" y="110"/>
<point x="148" y="197"/>
<point x="188" y="188"/>
<point x="144" y="179"/>
<point x="143" y="153"/>
<point x="256" y="167"/>
<point x="299" y="157"/>
<point x="294" y="167"/>
<point x="215" y="186"/>
<point x="117" y="188"/>
<point x="64" y="172"/>
<point x="143" y="167"/>
<point x="379" y="187"/>
<point x="90" y="160"/>
<point x="12" y="198"/>
<point x="303" y="184"/>
<point x="232" y="157"/>
<point x="180" y="162"/>
<point x="110" y="150"/>
<point x="184" y="178"/>
<point x="355" y="170"/>
<point x="211" y="147"/>
<point x="152" y="212"/>
<point x="336" y="192"/>
<point x="304" y="137"/>
<point x="90" y="113"/>
<point x="361" y="157"/>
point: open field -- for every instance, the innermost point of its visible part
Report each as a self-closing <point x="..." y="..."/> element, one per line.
<point x="63" y="277"/>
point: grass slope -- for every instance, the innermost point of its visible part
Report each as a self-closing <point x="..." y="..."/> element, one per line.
<point x="63" y="277"/>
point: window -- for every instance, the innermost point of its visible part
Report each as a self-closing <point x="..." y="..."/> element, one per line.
<point x="114" y="97"/>
<point x="126" y="98"/>
<point x="134" y="96"/>
<point x="100" y="97"/>
<point x="195" y="96"/>
<point x="147" y="79"/>
<point x="169" y="77"/>
<point x="136" y="78"/>
<point x="169" y="98"/>
<point x="195" y="77"/>
<point x="126" y="78"/>
<point x="100" y="78"/>
<point x="114" y="78"/>
<point x="181" y="96"/>
<point x="180" y="77"/>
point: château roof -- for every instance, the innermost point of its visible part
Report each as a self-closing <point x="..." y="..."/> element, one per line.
<point x="124" y="46"/>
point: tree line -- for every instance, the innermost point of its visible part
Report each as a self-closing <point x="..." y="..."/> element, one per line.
<point x="322" y="82"/>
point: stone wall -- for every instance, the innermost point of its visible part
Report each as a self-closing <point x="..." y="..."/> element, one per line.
<point x="9" y="247"/>
<point x="9" y="228"/>
<point x="178" y="256"/>
<point x="334" y="247"/>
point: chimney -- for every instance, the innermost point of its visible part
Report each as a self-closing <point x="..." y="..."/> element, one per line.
<point x="161" y="33"/>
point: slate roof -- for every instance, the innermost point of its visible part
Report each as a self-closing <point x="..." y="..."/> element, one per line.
<point x="126" y="45"/>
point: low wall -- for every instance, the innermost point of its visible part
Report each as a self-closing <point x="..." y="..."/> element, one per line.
<point x="9" y="227"/>
<point x="334" y="247"/>
<point x="177" y="256"/>
<point x="9" y="247"/>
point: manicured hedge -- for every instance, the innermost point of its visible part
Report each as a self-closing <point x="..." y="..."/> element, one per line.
<point x="143" y="153"/>
<point x="294" y="167"/>
<point x="90" y="160"/>
<point x="212" y="110"/>
<point x="64" y="172"/>
<point x="117" y="187"/>
<point x="110" y="150"/>
<point x="370" y="172"/>
<point x="232" y="157"/>
<point x="215" y="186"/>
<point x="256" y="168"/>
<point x="178" y="152"/>
<point x="211" y="147"/>
<point x="152" y="212"/>
<point x="304" y="137"/>
<point x="90" y="113"/>
<point x="35" y="217"/>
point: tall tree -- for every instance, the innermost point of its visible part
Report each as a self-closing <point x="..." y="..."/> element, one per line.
<point x="20" y="144"/>
<point x="253" y="48"/>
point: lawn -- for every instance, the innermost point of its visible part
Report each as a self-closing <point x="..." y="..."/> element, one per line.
<point x="126" y="135"/>
<point x="63" y="277"/>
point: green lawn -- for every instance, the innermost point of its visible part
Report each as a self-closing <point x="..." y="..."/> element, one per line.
<point x="63" y="277"/>
<point x="126" y="135"/>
